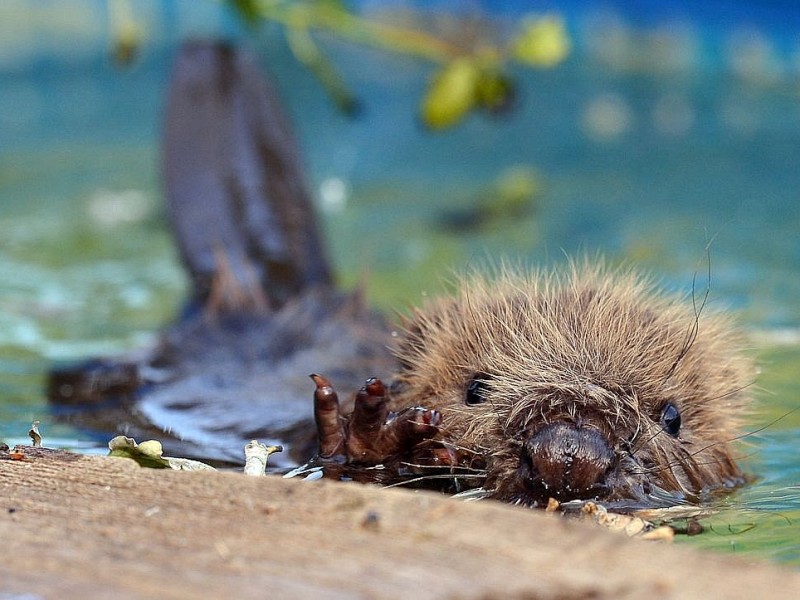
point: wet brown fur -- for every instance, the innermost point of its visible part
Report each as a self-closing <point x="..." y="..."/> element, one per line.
<point x="589" y="345"/>
<point x="594" y="348"/>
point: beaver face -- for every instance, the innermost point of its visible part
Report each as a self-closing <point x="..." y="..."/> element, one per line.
<point x="589" y="386"/>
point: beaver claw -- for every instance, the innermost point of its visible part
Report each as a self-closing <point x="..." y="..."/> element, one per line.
<point x="371" y="434"/>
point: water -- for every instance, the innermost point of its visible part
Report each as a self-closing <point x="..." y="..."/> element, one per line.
<point x="644" y="161"/>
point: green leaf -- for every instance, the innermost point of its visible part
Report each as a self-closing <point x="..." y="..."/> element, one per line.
<point x="452" y="94"/>
<point x="149" y="454"/>
<point x="496" y="91"/>
<point x="247" y="9"/>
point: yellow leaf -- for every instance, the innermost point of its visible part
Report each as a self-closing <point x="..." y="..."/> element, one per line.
<point x="451" y="95"/>
<point x="543" y="41"/>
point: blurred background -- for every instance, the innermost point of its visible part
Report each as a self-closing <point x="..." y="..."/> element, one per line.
<point x="437" y="135"/>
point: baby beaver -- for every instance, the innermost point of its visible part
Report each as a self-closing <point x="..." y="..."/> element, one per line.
<point x="587" y="383"/>
<point x="582" y="384"/>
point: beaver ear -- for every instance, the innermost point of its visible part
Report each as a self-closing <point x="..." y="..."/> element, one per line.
<point x="477" y="390"/>
<point x="671" y="419"/>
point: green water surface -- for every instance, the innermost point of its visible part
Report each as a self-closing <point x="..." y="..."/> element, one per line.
<point x="88" y="267"/>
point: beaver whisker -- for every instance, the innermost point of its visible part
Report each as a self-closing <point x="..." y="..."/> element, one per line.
<point x="694" y="329"/>
<point x="643" y="442"/>
<point x="734" y="391"/>
<point x="476" y="450"/>
<point x="746" y="434"/>
<point x="454" y="470"/>
<point x="767" y="426"/>
<point x="474" y="494"/>
<point x="454" y="477"/>
<point x="743" y="435"/>
<point x="687" y="465"/>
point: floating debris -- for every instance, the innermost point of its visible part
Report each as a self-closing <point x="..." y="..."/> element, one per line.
<point x="256" y="456"/>
<point x="630" y="525"/>
<point x="510" y="197"/>
<point x="149" y="454"/>
<point x="34" y="435"/>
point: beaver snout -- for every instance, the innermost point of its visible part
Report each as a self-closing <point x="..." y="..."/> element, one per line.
<point x="566" y="462"/>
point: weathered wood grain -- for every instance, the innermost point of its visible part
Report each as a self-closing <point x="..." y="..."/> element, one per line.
<point x="98" y="527"/>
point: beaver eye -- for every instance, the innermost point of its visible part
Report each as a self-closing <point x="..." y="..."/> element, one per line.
<point x="671" y="419"/>
<point x="476" y="390"/>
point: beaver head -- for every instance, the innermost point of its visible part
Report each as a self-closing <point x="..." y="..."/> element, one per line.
<point x="592" y="384"/>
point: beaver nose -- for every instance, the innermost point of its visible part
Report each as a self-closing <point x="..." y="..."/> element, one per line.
<point x="567" y="462"/>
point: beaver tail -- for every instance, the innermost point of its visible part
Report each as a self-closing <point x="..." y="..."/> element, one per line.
<point x="241" y="212"/>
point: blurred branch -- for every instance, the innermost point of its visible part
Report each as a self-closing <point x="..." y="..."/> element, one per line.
<point x="307" y="52"/>
<point x="472" y="59"/>
<point x="333" y="17"/>
<point x="470" y="76"/>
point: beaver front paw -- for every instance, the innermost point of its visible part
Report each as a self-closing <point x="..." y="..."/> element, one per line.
<point x="371" y="434"/>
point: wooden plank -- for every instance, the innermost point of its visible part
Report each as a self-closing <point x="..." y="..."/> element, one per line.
<point x="97" y="527"/>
